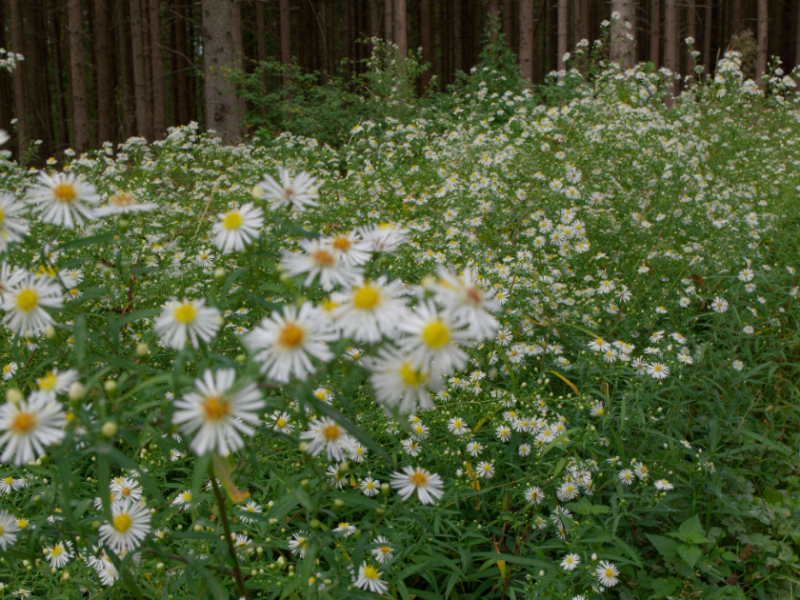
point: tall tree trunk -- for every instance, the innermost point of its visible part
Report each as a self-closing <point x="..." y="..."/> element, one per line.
<point x="17" y="46"/>
<point x="388" y="20"/>
<point x="736" y="17"/>
<point x="157" y="66"/>
<point x="330" y="37"/>
<point x="80" y="111"/>
<point x="671" y="45"/>
<point x="707" y="24"/>
<point x="691" y="31"/>
<point x="797" y="40"/>
<point x="148" y="68"/>
<point x="563" y="32"/>
<point x="35" y="65"/>
<point x="426" y="39"/>
<point x="508" y="22"/>
<point x="526" y="39"/>
<point x="494" y="18"/>
<point x="457" y="38"/>
<point x="139" y="70"/>
<point x="655" y="32"/>
<point x="286" y="42"/>
<point x="183" y="65"/>
<point x="761" y="48"/>
<point x="622" y="46"/>
<point x="218" y="60"/>
<point x="400" y="32"/>
<point x="374" y="18"/>
<point x="124" y="51"/>
<point x="106" y="130"/>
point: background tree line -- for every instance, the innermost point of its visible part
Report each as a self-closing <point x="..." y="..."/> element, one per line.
<point x="103" y="70"/>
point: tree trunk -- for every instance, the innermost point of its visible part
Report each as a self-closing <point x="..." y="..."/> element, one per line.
<point x="508" y="22"/>
<point x="17" y="37"/>
<point x="35" y="66"/>
<point x="563" y="23"/>
<point x="183" y="64"/>
<point x="105" y="74"/>
<point x="655" y="32"/>
<point x="218" y="61"/>
<point x="622" y="44"/>
<point x="671" y="45"/>
<point x="374" y="19"/>
<point x="157" y="66"/>
<point x="736" y="17"/>
<point x="457" y="38"/>
<point x="80" y="112"/>
<point x="400" y="32"/>
<point x="426" y="40"/>
<point x="139" y="72"/>
<point x="388" y="21"/>
<point x="60" y="69"/>
<point x="761" y="48"/>
<point x="494" y="18"/>
<point x="330" y="37"/>
<point x="707" y="23"/>
<point x="286" y="41"/>
<point x="526" y="39"/>
<point x="124" y="49"/>
<point x="797" y="40"/>
<point x="691" y="31"/>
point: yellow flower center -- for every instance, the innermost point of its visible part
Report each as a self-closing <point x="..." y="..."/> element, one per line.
<point x="457" y="424"/>
<point x="436" y="334"/>
<point x="187" y="496"/>
<point x="366" y="298"/>
<point x="56" y="551"/>
<point x="291" y="336"/>
<point x="370" y="572"/>
<point x="186" y="313"/>
<point x="123" y="200"/>
<point x="385" y="549"/>
<point x="232" y="221"/>
<point x="48" y="382"/>
<point x="122" y="522"/>
<point x="2" y="215"/>
<point x="126" y="491"/>
<point x="609" y="573"/>
<point x="27" y="300"/>
<point x="331" y="432"/>
<point x="2" y="530"/>
<point x="216" y="408"/>
<point x="281" y="422"/>
<point x="9" y="480"/>
<point x="22" y="524"/>
<point x="341" y="243"/>
<point x="418" y="479"/>
<point x="23" y="423"/>
<point x="411" y="377"/>
<point x="65" y="193"/>
<point x="323" y="258"/>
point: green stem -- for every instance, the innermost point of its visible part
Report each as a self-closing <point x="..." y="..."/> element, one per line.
<point x="223" y="514"/>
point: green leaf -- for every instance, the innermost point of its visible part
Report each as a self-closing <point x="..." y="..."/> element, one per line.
<point x="665" y="546"/>
<point x="584" y="507"/>
<point x="81" y="242"/>
<point x="690" y="531"/>
<point x="691" y="554"/>
<point x="351" y="428"/>
<point x="661" y="588"/>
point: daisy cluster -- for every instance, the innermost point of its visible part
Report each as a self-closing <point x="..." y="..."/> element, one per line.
<point x="513" y="342"/>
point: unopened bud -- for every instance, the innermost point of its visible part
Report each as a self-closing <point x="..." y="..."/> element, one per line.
<point x="109" y="429"/>
<point x="219" y="275"/>
<point x="142" y="350"/>
<point x="77" y="391"/>
<point x="315" y="524"/>
<point x="123" y="225"/>
<point x="385" y="489"/>
<point x="13" y="395"/>
<point x="110" y="387"/>
<point x="50" y="332"/>
<point x="338" y="505"/>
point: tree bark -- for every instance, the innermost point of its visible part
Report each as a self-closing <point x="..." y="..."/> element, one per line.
<point x="736" y="17"/>
<point x="330" y="37"/>
<point x="124" y="50"/>
<point x="35" y="66"/>
<point x="761" y="48"/>
<point x="17" y="37"/>
<point x="139" y="71"/>
<point x="508" y="22"/>
<point x="797" y="40"/>
<point x="157" y="66"/>
<point x="707" y="24"/>
<point x="457" y="38"/>
<point x="426" y="40"/>
<point x="286" y="41"/>
<point x="218" y="61"/>
<point x="388" y="20"/>
<point x="671" y="45"/>
<point x="691" y="31"/>
<point x="563" y="32"/>
<point x="183" y="64"/>
<point x="622" y="46"/>
<point x="106" y="130"/>
<point x="494" y="18"/>
<point x="655" y="32"/>
<point x="400" y="32"/>
<point x="526" y="39"/>
<point x="80" y="112"/>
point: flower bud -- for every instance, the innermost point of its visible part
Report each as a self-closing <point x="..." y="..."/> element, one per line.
<point x="109" y="429"/>
<point x="110" y="387"/>
<point x="315" y="524"/>
<point x="76" y="391"/>
<point x="338" y="505"/>
<point x="50" y="332"/>
<point x="219" y="275"/>
<point x="142" y="350"/>
<point x="13" y="395"/>
<point x="385" y="489"/>
<point x="123" y="225"/>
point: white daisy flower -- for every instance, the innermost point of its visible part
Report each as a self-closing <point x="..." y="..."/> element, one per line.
<point x="64" y="199"/>
<point x="8" y="529"/>
<point x="218" y="415"/>
<point x="369" y="578"/>
<point x="415" y="479"/>
<point x="399" y="382"/>
<point x="431" y="337"/>
<point x="59" y="554"/>
<point x="370" y="310"/>
<point x="370" y="487"/>
<point x="297" y="193"/>
<point x="55" y="383"/>
<point x="383" y="553"/>
<point x="298" y="545"/>
<point x="12" y="229"/>
<point x="570" y="562"/>
<point x="457" y="426"/>
<point x="28" y="427"/>
<point x="350" y="248"/>
<point x="467" y="302"/>
<point x="607" y="574"/>
<point x="534" y="495"/>
<point x="129" y="525"/>
<point x="24" y="300"/>
<point x="327" y="434"/>
<point x="237" y="228"/>
<point x="284" y="344"/>
<point x="124" y="203"/>
<point x="319" y="259"/>
<point x="189" y="320"/>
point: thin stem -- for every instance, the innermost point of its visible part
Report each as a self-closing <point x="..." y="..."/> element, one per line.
<point x="227" y="527"/>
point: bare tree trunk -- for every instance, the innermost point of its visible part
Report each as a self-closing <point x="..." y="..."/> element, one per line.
<point x="17" y="37"/>
<point x="60" y="69"/>
<point x="707" y="23"/>
<point x="563" y="17"/>
<point x="426" y="40"/>
<point x="80" y="111"/>
<point x="330" y="37"/>
<point x="761" y="48"/>
<point x="400" y="21"/>
<point x="183" y="64"/>
<point x="526" y="39"/>
<point x="797" y="40"/>
<point x="105" y="73"/>
<point x="124" y="44"/>
<point x="508" y="22"/>
<point x="139" y="72"/>
<point x="691" y="31"/>
<point x="458" y="48"/>
<point x="218" y="61"/>
<point x="494" y="14"/>
<point x="671" y="44"/>
<point x="374" y="18"/>
<point x="35" y="65"/>
<point x="622" y="40"/>
<point x="157" y="66"/>
<point x="655" y="32"/>
<point x="286" y="41"/>
<point x="736" y="17"/>
<point x="388" y="21"/>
